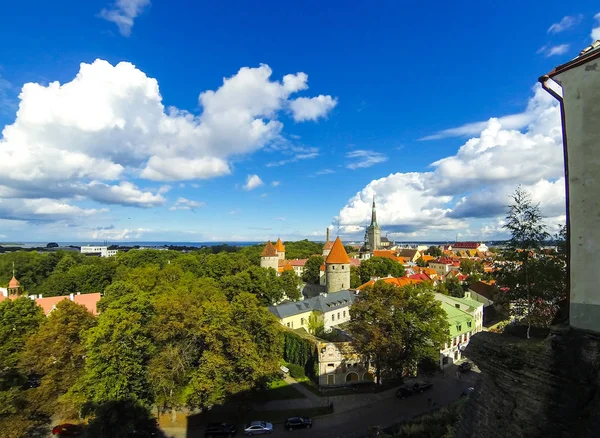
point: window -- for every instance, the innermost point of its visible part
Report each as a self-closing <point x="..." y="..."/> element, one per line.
<point x="333" y="267"/>
<point x="288" y="324"/>
<point x="459" y="327"/>
<point x="301" y="321"/>
<point x="457" y="306"/>
<point x="330" y="365"/>
<point x="333" y="316"/>
<point x="454" y="341"/>
<point x="342" y="266"/>
<point x="344" y="313"/>
<point x="469" y="323"/>
<point x="338" y="316"/>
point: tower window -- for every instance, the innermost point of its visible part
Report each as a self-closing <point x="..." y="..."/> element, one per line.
<point x="342" y="266"/>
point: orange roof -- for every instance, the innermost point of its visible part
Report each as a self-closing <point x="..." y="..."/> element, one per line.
<point x="89" y="301"/>
<point x="48" y="303"/>
<point x="279" y="246"/>
<point x="297" y="262"/>
<point x="399" y="282"/>
<point x="328" y="245"/>
<point x="429" y="271"/>
<point x="354" y="262"/>
<point x="269" y="250"/>
<point x="338" y="254"/>
<point x="427" y="258"/>
<point x="13" y="283"/>
<point x="384" y="253"/>
<point x="322" y="268"/>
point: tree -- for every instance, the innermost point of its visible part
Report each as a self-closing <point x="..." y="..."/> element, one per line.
<point x="316" y="325"/>
<point x="535" y="281"/>
<point x="380" y="267"/>
<point x="469" y="267"/>
<point x="290" y="284"/>
<point x="354" y="277"/>
<point x="434" y="251"/>
<point x="452" y="287"/>
<point x="56" y="354"/>
<point x="119" y="419"/>
<point x="52" y="245"/>
<point x="421" y="263"/>
<point x="312" y="269"/>
<point x="397" y="327"/>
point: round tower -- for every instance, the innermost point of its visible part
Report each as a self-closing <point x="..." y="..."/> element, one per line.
<point x="269" y="257"/>
<point x="337" y="268"/>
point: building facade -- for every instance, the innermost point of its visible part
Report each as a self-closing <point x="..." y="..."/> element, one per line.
<point x="340" y="365"/>
<point x="103" y="251"/>
<point x="337" y="268"/>
<point x="269" y="257"/>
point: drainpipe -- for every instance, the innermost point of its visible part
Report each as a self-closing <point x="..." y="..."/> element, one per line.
<point x="545" y="80"/>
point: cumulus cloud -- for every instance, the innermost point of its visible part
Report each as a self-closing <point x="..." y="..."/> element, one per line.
<point x="123" y="12"/>
<point x="186" y="204"/>
<point x="311" y="108"/>
<point x="566" y="23"/>
<point x="549" y="51"/>
<point x="363" y="158"/>
<point x="596" y="30"/>
<point x="472" y="185"/>
<point x="43" y="210"/>
<point x="85" y="139"/>
<point x="252" y="182"/>
<point x="118" y="234"/>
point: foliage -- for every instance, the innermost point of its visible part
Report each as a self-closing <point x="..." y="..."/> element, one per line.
<point x="397" y="327"/>
<point x="120" y="419"/>
<point x="452" y="287"/>
<point x="379" y="267"/>
<point x="55" y="354"/>
<point x="299" y="351"/>
<point x="421" y="263"/>
<point x="312" y="269"/>
<point x="263" y="283"/>
<point x="290" y="285"/>
<point x="440" y="423"/>
<point x="296" y="371"/>
<point x="316" y="325"/>
<point x="434" y="251"/>
<point x="354" y="277"/>
<point x="535" y="280"/>
<point x="468" y="266"/>
<point x="302" y="249"/>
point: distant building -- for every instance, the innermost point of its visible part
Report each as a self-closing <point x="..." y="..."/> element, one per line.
<point x="373" y="232"/>
<point x="103" y="251"/>
<point x="463" y="247"/>
<point x="329" y="309"/>
<point x="340" y="364"/>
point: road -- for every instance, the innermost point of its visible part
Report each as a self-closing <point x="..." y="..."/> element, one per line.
<point x="355" y="423"/>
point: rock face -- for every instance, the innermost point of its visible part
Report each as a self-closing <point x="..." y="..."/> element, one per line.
<point x="534" y="388"/>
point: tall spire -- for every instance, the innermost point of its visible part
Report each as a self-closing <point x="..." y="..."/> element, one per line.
<point x="327" y="235"/>
<point x="13" y="269"/>
<point x="374" y="213"/>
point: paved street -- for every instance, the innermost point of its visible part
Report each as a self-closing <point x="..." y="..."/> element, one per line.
<point x="355" y="413"/>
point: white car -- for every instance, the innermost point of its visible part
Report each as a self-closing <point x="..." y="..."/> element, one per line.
<point x="258" y="428"/>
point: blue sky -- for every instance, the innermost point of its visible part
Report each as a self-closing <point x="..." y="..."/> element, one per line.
<point x="159" y="148"/>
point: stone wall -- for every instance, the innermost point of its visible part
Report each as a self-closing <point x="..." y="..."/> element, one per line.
<point x="534" y="388"/>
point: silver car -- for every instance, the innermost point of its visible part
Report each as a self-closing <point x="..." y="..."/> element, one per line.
<point x="258" y="428"/>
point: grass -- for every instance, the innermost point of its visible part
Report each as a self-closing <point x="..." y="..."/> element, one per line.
<point x="279" y="390"/>
<point x="440" y="423"/>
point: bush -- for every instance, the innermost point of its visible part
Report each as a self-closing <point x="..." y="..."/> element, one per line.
<point x="296" y="371"/>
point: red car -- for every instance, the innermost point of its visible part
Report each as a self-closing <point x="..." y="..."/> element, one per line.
<point x="67" y="429"/>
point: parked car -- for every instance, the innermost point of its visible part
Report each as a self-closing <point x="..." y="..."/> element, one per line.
<point x="258" y="428"/>
<point x="415" y="388"/>
<point x="298" y="423"/>
<point x="467" y="392"/>
<point x="464" y="367"/>
<point x="219" y="429"/>
<point x="67" y="429"/>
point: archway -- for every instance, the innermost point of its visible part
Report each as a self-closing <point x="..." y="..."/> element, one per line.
<point x="351" y="377"/>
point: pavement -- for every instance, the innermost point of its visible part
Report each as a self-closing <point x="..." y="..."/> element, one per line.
<point x="354" y="414"/>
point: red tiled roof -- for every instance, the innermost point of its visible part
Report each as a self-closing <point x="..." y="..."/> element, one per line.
<point x="328" y="245"/>
<point x="399" y="282"/>
<point x="338" y="254"/>
<point x="48" y="303"/>
<point x="297" y="262"/>
<point x="89" y="301"/>
<point x="269" y="250"/>
<point x="13" y="282"/>
<point x="465" y="245"/>
<point x="421" y="276"/>
<point x="354" y="262"/>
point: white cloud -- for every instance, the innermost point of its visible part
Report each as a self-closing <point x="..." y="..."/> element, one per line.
<point x="186" y="204"/>
<point x="554" y="50"/>
<point x="472" y="185"/>
<point x="252" y="182"/>
<point x="325" y="172"/>
<point x="311" y="108"/>
<point x="566" y="23"/>
<point x="43" y="210"/>
<point x="596" y="30"/>
<point x="296" y="153"/>
<point x="364" y="158"/>
<point x="86" y="138"/>
<point x="122" y="13"/>
<point x="114" y="234"/>
<point x="275" y="183"/>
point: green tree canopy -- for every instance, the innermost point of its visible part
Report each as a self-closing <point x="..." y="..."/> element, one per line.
<point x="397" y="327"/>
<point x="379" y="267"/>
<point x="290" y="285"/>
<point x="434" y="251"/>
<point x="312" y="269"/>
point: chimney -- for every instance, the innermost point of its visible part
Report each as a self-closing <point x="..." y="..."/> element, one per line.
<point x="327" y="235"/>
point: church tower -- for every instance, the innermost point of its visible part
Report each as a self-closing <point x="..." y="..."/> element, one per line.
<point x="337" y="268"/>
<point x="14" y="287"/>
<point x="373" y="233"/>
<point x="280" y="247"/>
<point x="269" y="257"/>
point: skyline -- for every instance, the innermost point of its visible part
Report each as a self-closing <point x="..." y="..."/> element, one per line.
<point x="256" y="137"/>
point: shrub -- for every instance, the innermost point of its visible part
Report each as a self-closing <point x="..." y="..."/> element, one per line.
<point x="296" y="371"/>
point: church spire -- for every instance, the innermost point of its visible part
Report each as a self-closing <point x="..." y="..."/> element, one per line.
<point x="374" y="213"/>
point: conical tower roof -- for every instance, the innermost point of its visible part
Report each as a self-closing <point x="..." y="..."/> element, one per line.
<point x="13" y="283"/>
<point x="338" y="254"/>
<point x="279" y="246"/>
<point x="269" y="250"/>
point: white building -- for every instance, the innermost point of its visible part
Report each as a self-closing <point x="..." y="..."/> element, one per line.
<point x="103" y="251"/>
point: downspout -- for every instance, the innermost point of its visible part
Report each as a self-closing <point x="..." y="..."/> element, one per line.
<point x="544" y="81"/>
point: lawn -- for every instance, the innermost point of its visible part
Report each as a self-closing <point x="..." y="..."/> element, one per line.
<point x="279" y="390"/>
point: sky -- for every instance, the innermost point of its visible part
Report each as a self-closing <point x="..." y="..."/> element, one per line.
<point x="141" y="120"/>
